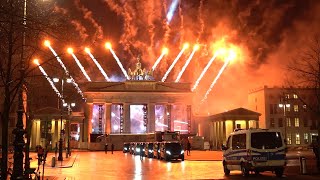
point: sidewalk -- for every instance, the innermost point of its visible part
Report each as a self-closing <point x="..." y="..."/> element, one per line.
<point x="292" y="168"/>
<point x="66" y="163"/>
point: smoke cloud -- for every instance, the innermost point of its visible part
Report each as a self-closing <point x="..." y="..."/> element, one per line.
<point x="269" y="34"/>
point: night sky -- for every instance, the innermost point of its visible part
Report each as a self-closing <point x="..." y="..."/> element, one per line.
<point x="268" y="34"/>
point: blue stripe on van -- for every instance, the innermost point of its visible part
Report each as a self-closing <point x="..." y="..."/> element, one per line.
<point x="260" y="156"/>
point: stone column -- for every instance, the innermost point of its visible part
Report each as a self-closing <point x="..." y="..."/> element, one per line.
<point x="247" y="124"/>
<point x="108" y="118"/>
<point x="127" y="121"/>
<point x="168" y="116"/>
<point x="56" y="132"/>
<point x="151" y="118"/>
<point x="87" y="122"/>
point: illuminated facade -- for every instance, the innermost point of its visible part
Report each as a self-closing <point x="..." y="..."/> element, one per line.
<point x="137" y="107"/>
<point x="294" y="119"/>
<point x="216" y="128"/>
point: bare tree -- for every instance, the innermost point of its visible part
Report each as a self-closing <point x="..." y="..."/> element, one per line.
<point x="18" y="45"/>
<point x="305" y="71"/>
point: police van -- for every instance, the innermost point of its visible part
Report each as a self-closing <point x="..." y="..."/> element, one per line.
<point x="255" y="150"/>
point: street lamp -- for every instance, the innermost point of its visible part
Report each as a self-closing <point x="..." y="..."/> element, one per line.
<point x="284" y="104"/>
<point x="60" y="156"/>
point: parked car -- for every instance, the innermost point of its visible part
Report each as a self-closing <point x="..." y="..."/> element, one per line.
<point x="255" y="150"/>
<point x="156" y="150"/>
<point x="171" y="150"/>
<point x="126" y="147"/>
<point x="137" y="148"/>
<point x="131" y="148"/>
<point x="148" y="150"/>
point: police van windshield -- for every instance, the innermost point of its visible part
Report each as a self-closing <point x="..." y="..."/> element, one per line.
<point x="266" y="140"/>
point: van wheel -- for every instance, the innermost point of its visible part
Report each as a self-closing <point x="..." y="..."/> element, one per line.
<point x="244" y="171"/>
<point x="279" y="172"/>
<point x="225" y="169"/>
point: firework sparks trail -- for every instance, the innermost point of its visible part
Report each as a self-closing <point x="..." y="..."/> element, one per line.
<point x="80" y="66"/>
<point x="204" y="71"/>
<point x="118" y="60"/>
<point x="98" y="65"/>
<point x="187" y="63"/>
<point x="76" y="86"/>
<point x="157" y="62"/>
<point x="215" y="79"/>
<point x="164" y="52"/>
<point x="50" y="81"/>
<point x="174" y="62"/>
<point x="172" y="8"/>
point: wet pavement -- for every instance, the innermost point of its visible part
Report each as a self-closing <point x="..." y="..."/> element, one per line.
<point x="200" y="165"/>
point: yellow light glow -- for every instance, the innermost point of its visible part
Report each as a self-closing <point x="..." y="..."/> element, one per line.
<point x="108" y="45"/>
<point x="185" y="45"/>
<point x="47" y="43"/>
<point x="36" y="61"/>
<point x="87" y="50"/>
<point x="232" y="55"/>
<point x="70" y="50"/>
<point x="196" y="47"/>
<point x="165" y="50"/>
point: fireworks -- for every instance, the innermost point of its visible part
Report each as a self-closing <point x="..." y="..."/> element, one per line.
<point x="164" y="52"/>
<point x="87" y="50"/>
<point x="47" y="44"/>
<point x="204" y="71"/>
<point x="108" y="46"/>
<point x="195" y="48"/>
<point x="185" y="46"/>
<point x="36" y="61"/>
<point x="229" y="56"/>
<point x="70" y="51"/>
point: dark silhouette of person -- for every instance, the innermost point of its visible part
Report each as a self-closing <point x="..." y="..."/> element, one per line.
<point x="40" y="154"/>
<point x="141" y="152"/>
<point x="106" y="148"/>
<point x="188" y="148"/>
<point x="112" y="148"/>
<point x="315" y="148"/>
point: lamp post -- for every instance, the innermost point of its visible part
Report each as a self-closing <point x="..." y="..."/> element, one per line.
<point x="284" y="104"/>
<point x="60" y="157"/>
<point x="19" y="131"/>
<point x="63" y="104"/>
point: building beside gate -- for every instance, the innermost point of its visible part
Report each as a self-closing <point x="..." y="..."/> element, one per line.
<point x="216" y="128"/>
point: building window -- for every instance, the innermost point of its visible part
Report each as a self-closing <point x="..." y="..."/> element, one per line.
<point x="295" y="96"/>
<point x="255" y="99"/>
<point x="256" y="108"/>
<point x="280" y="122"/>
<point x="288" y="122"/>
<point x="272" y="122"/>
<point x="296" y="122"/>
<point x="297" y="138"/>
<point x="296" y="108"/>
<point x="288" y="107"/>
<point x="289" y="138"/>
<point x="287" y="96"/>
<point x="305" y="122"/>
<point x="306" y="138"/>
